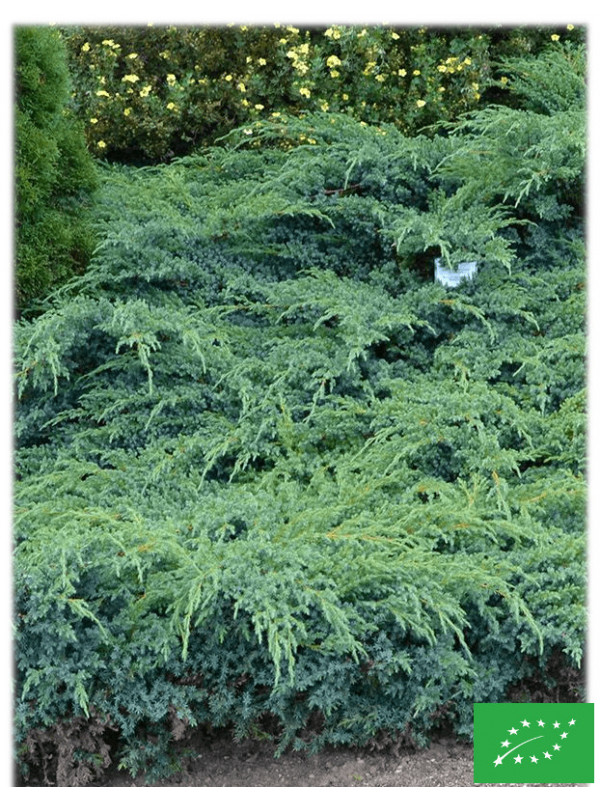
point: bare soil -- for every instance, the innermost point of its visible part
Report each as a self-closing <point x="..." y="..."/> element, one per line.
<point x="219" y="761"/>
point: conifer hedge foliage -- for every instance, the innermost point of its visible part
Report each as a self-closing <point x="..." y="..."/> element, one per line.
<point x="272" y="476"/>
<point x="55" y="174"/>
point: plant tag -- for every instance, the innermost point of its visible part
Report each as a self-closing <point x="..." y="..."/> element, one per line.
<point x="466" y="270"/>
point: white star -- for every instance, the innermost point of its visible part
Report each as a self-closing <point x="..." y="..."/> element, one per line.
<point x="547" y="755"/>
<point x="498" y="761"/>
<point x="556" y="747"/>
<point x="513" y="730"/>
<point x="533" y="759"/>
<point x="505" y="743"/>
<point x="572" y="722"/>
<point x="541" y="723"/>
<point x="518" y="759"/>
<point x="556" y="725"/>
<point x="564" y="735"/>
<point x="525" y="724"/>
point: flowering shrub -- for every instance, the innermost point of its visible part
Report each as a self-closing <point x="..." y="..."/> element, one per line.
<point x="151" y="93"/>
<point x="272" y="476"/>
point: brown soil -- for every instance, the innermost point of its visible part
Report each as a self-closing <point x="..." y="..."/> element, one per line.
<point x="222" y="762"/>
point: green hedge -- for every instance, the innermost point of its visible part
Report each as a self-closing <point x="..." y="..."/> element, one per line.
<point x="54" y="172"/>
<point x="272" y="476"/>
<point x="148" y="93"/>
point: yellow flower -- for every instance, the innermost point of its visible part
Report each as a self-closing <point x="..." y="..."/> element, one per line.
<point x="304" y="91"/>
<point x="333" y="61"/>
<point x="101" y="144"/>
<point x="324" y="105"/>
<point x="258" y="106"/>
<point x="145" y="91"/>
<point x="94" y="120"/>
<point x="292" y="54"/>
<point x="421" y="103"/>
<point x="361" y="34"/>
<point x="475" y="86"/>
<point x="311" y="140"/>
<point x="395" y="35"/>
<point x="380" y="78"/>
<point x="85" y="47"/>
<point x="241" y="87"/>
<point x="283" y="41"/>
<point x="555" y="37"/>
<point x="467" y="61"/>
<point x="130" y="78"/>
<point x="570" y="27"/>
<point x="102" y="79"/>
<point x="402" y="73"/>
<point x="301" y="67"/>
<point x="442" y="68"/>
<point x="127" y="111"/>
<point x="416" y="71"/>
<point x="369" y="67"/>
<point x="171" y="79"/>
<point x="245" y="102"/>
<point x="164" y="54"/>
<point x="171" y="106"/>
<point x="504" y="79"/>
<point x="108" y="43"/>
<point x="102" y="93"/>
<point x="275" y="113"/>
<point x="442" y="89"/>
<point x="345" y="97"/>
<point x="243" y="27"/>
<point x="303" y="48"/>
<point x="132" y="55"/>
<point x="262" y="61"/>
<point x="334" y="73"/>
<point x="291" y="29"/>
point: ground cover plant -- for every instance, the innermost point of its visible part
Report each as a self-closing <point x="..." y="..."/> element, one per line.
<point x="272" y="476"/>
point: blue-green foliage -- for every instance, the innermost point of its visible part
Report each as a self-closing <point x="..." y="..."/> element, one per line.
<point x="269" y="470"/>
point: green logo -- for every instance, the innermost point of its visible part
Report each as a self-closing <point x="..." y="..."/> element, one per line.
<point x="534" y="743"/>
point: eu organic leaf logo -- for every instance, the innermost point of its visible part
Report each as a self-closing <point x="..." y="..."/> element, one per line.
<point x="533" y="743"/>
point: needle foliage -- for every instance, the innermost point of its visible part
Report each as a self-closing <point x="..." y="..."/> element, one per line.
<point x="272" y="476"/>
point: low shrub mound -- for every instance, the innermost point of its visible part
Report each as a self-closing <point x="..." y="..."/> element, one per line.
<point x="272" y="476"/>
